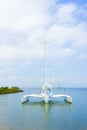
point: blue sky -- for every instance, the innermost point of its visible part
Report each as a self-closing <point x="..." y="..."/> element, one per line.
<point x="25" y="24"/>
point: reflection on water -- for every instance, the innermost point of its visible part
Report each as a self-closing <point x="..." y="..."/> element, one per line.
<point x="46" y="107"/>
<point x="46" y="113"/>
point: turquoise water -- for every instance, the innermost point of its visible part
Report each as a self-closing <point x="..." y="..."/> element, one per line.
<point x="36" y="115"/>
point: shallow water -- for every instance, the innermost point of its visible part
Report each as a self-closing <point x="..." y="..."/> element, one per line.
<point x="37" y="115"/>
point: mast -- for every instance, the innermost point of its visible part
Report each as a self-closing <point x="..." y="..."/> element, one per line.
<point x="45" y="56"/>
<point x="45" y="61"/>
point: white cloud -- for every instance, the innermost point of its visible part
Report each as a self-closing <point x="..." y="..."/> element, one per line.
<point x="59" y="34"/>
<point x="68" y="52"/>
<point x="2" y="71"/>
<point x="36" y="37"/>
<point x="26" y="63"/>
<point x="61" y="52"/>
<point x="79" y="35"/>
<point x="65" y="13"/>
<point x="62" y="35"/>
<point x="11" y="52"/>
<point x="22" y="14"/>
<point x="83" y="56"/>
<point x="29" y="16"/>
<point x="29" y="22"/>
<point x="6" y="52"/>
<point x="11" y="78"/>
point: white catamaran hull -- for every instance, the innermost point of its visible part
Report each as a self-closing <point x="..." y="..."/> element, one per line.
<point x="46" y="98"/>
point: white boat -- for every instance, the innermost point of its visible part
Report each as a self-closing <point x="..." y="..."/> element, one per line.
<point x="46" y="95"/>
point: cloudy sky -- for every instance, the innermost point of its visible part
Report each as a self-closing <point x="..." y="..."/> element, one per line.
<point x="26" y="25"/>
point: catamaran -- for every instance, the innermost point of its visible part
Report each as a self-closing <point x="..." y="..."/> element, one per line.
<point x="46" y="94"/>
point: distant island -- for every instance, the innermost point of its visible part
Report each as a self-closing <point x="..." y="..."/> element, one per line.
<point x="8" y="90"/>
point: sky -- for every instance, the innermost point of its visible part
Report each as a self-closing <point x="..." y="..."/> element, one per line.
<point x="26" y="26"/>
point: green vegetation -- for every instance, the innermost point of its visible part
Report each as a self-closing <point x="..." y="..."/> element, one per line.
<point x="6" y="90"/>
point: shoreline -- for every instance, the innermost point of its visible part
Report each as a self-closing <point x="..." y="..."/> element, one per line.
<point x="9" y="90"/>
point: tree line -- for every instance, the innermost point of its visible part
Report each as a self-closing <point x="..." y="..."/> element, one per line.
<point x="6" y="90"/>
